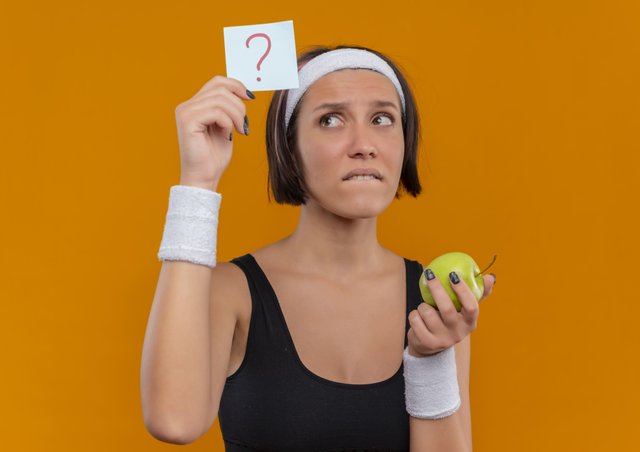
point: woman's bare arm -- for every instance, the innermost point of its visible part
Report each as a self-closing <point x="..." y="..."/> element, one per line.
<point x="187" y="347"/>
<point x="176" y="357"/>
<point x="189" y="334"/>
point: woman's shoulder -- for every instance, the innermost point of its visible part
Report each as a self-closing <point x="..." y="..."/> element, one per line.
<point x="230" y="275"/>
<point x="397" y="257"/>
<point x="268" y="252"/>
<point x="229" y="288"/>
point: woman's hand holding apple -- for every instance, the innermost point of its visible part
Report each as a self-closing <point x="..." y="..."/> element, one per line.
<point x="433" y="330"/>
<point x="205" y="124"/>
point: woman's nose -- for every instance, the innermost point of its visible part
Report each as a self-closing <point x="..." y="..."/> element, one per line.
<point x="363" y="142"/>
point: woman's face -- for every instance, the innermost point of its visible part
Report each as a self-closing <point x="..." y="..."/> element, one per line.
<point x="351" y="119"/>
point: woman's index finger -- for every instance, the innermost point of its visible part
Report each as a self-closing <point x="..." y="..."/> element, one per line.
<point x="234" y="85"/>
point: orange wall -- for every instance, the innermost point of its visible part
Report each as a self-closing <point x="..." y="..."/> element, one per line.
<point x="530" y="152"/>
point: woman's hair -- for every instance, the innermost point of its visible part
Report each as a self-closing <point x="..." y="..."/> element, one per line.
<point x="285" y="176"/>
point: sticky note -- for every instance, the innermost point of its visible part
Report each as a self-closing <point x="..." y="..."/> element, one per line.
<point x="262" y="56"/>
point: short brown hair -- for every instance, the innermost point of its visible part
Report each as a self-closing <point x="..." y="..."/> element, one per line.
<point x="285" y="175"/>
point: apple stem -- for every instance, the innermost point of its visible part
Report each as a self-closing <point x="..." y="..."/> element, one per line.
<point x="490" y="264"/>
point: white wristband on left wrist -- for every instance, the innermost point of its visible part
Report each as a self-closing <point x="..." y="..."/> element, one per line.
<point x="431" y="384"/>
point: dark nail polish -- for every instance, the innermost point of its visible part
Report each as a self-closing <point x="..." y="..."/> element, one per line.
<point x="246" y="121"/>
<point x="429" y="274"/>
<point x="454" y="278"/>
<point x="494" y="277"/>
<point x="230" y="136"/>
<point x="250" y="94"/>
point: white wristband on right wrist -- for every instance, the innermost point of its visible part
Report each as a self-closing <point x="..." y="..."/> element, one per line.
<point x="431" y="384"/>
<point x="191" y="227"/>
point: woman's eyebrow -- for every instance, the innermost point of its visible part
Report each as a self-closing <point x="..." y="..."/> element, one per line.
<point x="341" y="105"/>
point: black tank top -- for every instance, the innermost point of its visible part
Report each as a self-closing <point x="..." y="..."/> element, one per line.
<point x="274" y="403"/>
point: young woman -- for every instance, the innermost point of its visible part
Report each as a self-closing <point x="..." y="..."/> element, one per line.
<point x="320" y="340"/>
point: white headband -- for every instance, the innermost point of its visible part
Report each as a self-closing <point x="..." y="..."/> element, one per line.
<point x="333" y="61"/>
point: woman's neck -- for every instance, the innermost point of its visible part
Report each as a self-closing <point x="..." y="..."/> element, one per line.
<point x="331" y="245"/>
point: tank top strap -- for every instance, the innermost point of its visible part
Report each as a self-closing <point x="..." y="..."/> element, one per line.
<point x="265" y="328"/>
<point x="414" y="297"/>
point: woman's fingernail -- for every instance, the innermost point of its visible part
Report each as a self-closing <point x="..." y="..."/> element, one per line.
<point x="230" y="136"/>
<point x="429" y="274"/>
<point x="454" y="278"/>
<point x="246" y="125"/>
<point x="494" y="277"/>
<point x="250" y="94"/>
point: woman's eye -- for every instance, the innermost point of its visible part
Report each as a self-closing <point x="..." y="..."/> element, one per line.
<point x="385" y="116"/>
<point x="332" y="120"/>
<point x="324" y="120"/>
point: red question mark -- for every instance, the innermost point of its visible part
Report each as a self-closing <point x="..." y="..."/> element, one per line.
<point x="260" y="35"/>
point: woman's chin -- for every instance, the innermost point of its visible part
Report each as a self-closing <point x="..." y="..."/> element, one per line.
<point x="356" y="206"/>
<point x="361" y="210"/>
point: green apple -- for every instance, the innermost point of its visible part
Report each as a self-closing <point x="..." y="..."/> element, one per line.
<point x="466" y="269"/>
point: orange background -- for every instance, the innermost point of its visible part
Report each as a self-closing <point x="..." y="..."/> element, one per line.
<point x="530" y="151"/>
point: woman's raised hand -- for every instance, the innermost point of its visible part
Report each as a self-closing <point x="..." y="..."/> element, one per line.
<point x="433" y="330"/>
<point x="205" y="125"/>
